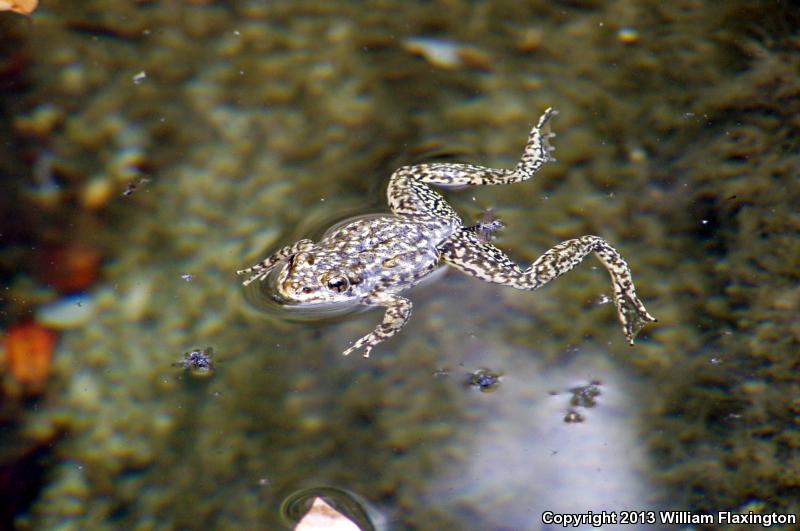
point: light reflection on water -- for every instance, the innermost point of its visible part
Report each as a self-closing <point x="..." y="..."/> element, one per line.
<point x="524" y="458"/>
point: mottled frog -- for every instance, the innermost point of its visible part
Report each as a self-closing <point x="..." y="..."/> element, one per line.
<point x="372" y="260"/>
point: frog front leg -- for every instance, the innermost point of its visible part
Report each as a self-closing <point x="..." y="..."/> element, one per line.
<point x="398" y="310"/>
<point x="263" y="268"/>
<point x="468" y="253"/>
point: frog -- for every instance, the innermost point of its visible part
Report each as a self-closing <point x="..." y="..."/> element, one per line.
<point x="371" y="261"/>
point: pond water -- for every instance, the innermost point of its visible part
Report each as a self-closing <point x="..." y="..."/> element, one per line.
<point x="151" y="149"/>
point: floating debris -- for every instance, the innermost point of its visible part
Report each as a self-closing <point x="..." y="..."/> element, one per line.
<point x="198" y="362"/>
<point x="488" y="225"/>
<point x="133" y="185"/>
<point x="584" y="396"/>
<point x="322" y="516"/>
<point x="23" y="7"/>
<point x="187" y="277"/>
<point x="485" y="380"/>
<point x="140" y="77"/>
<point x="529" y="40"/>
<point x="603" y="299"/>
<point x="447" y="54"/>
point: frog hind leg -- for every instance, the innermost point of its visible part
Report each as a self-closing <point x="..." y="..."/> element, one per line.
<point x="398" y="310"/>
<point x="409" y="194"/>
<point x="261" y="270"/>
<point x="467" y="252"/>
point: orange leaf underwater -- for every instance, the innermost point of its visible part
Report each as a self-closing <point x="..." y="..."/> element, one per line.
<point x="70" y="267"/>
<point x="24" y="7"/>
<point x="29" y="351"/>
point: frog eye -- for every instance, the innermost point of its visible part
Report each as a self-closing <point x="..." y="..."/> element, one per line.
<point x="336" y="282"/>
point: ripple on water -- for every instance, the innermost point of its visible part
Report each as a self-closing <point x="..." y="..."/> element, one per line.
<point x="264" y="297"/>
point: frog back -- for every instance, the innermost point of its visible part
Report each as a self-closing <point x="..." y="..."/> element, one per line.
<point x="385" y="252"/>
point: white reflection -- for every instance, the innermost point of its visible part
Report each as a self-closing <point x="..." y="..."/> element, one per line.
<point x="522" y="458"/>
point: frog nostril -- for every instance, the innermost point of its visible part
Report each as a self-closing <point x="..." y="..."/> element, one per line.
<point x="303" y="258"/>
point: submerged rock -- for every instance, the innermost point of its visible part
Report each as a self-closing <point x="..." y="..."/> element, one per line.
<point x="68" y="312"/>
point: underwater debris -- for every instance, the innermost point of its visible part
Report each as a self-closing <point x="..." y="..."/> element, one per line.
<point x="41" y="121"/>
<point x="29" y="353"/>
<point x="447" y="54"/>
<point x="529" y="39"/>
<point x="197" y="362"/>
<point x="485" y="380"/>
<point x="573" y="417"/>
<point x="584" y="395"/>
<point x="488" y="225"/>
<point x="322" y="516"/>
<point x="23" y="7"/>
<point x="187" y="277"/>
<point x="96" y="192"/>
<point x="70" y="267"/>
<point x="627" y="35"/>
<point x="72" y="311"/>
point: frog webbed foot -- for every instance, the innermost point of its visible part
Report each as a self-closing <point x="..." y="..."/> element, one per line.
<point x="632" y="313"/>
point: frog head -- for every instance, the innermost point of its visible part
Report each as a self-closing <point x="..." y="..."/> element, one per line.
<point x="305" y="280"/>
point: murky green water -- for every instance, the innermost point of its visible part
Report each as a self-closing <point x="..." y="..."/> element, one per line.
<point x="183" y="140"/>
